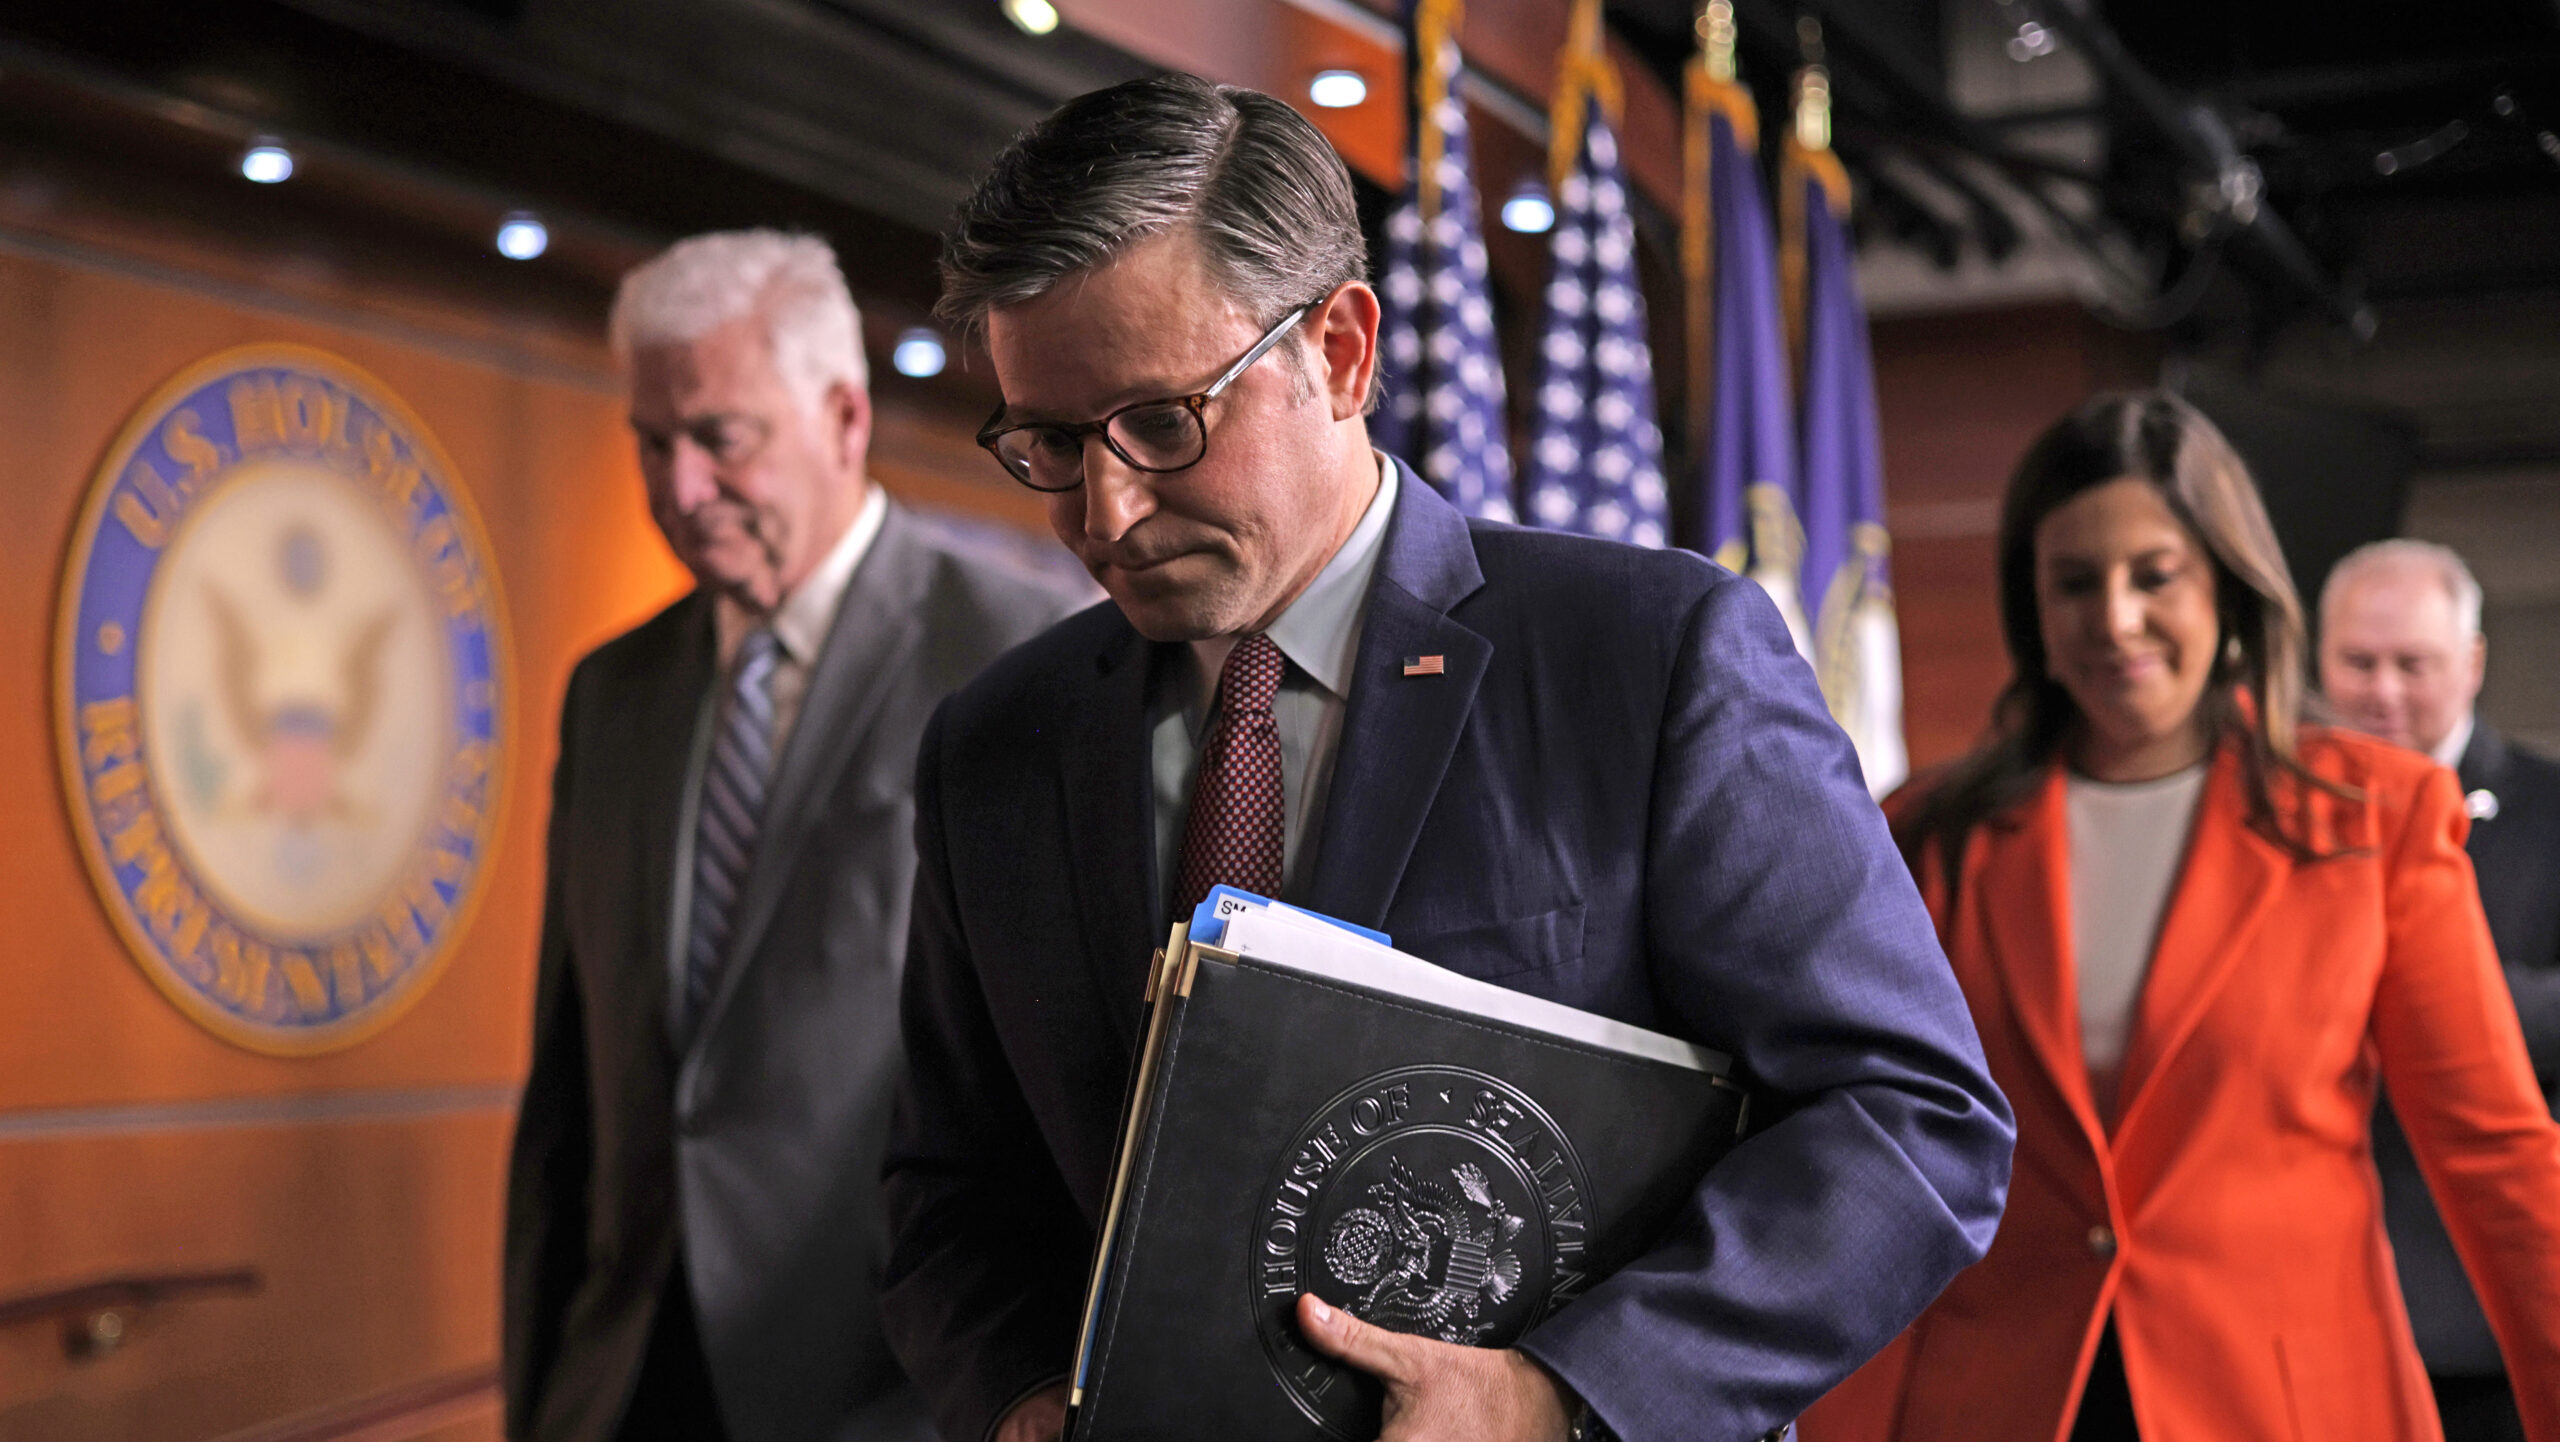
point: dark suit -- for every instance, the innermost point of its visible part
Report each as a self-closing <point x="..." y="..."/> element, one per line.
<point x="753" y="1156"/>
<point x="1625" y="795"/>
<point x="2516" y="854"/>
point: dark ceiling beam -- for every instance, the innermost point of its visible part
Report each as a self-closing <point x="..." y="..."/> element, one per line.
<point x="2202" y="141"/>
<point x="868" y="104"/>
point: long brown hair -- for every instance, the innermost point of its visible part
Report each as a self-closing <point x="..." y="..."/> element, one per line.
<point x="2256" y="688"/>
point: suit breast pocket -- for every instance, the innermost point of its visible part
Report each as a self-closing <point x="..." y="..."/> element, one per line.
<point x="1547" y="941"/>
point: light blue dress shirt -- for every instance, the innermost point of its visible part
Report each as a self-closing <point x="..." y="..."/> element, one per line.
<point x="1320" y="635"/>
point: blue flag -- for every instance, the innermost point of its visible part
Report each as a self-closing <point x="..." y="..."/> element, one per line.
<point x="1749" y="475"/>
<point x="1857" y="643"/>
<point x="1595" y="451"/>
<point x="1444" y="409"/>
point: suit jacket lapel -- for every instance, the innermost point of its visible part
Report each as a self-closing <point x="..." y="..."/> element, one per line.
<point x="2230" y="877"/>
<point x="1398" y="732"/>
<point x="875" y="627"/>
<point x="1104" y="771"/>
<point x="2027" y="915"/>
<point x="660" y="732"/>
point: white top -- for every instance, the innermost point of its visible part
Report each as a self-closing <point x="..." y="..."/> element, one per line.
<point x="1319" y="634"/>
<point x="2126" y="843"/>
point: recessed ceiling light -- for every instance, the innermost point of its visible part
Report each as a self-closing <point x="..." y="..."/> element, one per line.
<point x="1529" y="211"/>
<point x="522" y="236"/>
<point x="1337" y="89"/>
<point x="919" y="353"/>
<point x="266" y="161"/>
<point x="1032" y="17"/>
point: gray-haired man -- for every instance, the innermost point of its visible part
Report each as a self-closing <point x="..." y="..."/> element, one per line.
<point x="2402" y="658"/>
<point x="693" y="1226"/>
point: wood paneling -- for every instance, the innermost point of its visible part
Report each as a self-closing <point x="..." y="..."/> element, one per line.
<point x="378" y="1243"/>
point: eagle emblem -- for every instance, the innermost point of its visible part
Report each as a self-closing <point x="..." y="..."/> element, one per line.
<point x="1429" y="1260"/>
<point x="281" y="698"/>
<point x="300" y="744"/>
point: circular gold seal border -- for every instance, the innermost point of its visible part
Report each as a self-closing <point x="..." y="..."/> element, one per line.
<point x="145" y="954"/>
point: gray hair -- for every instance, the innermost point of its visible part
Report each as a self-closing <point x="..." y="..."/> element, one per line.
<point x="2443" y="561"/>
<point x="1263" y="189"/>
<point x="791" y="282"/>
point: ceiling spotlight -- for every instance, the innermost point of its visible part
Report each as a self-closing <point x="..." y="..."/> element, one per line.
<point x="1529" y="211"/>
<point x="1337" y="89"/>
<point x="919" y="353"/>
<point x="1031" y="17"/>
<point x="522" y="236"/>
<point x="266" y="161"/>
<point x="2031" y="41"/>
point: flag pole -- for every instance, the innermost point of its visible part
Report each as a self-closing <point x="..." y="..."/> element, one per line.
<point x="1712" y="87"/>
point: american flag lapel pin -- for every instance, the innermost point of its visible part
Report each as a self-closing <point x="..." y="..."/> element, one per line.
<point x="1426" y="665"/>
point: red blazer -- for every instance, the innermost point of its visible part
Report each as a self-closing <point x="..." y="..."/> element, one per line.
<point x="2230" y="1220"/>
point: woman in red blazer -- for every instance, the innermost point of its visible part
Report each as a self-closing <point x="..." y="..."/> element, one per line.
<point x="2195" y="935"/>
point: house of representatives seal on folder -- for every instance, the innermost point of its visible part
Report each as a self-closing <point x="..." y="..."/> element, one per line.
<point x="1312" y="1110"/>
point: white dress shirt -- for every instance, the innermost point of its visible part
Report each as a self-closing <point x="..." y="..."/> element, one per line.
<point x="2448" y="752"/>
<point x="800" y="625"/>
<point x="805" y="617"/>
<point x="1319" y="634"/>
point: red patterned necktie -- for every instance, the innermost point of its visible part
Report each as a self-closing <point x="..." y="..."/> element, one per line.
<point x="1234" y="834"/>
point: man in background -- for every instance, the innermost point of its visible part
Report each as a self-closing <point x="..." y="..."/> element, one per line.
<point x="694" y="1234"/>
<point x="2402" y="658"/>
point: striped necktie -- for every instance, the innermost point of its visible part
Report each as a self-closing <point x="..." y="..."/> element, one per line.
<point x="731" y="812"/>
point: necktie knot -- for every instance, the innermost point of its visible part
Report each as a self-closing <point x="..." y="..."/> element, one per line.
<point x="1237" y="832"/>
<point x="1251" y="676"/>
<point x="758" y="650"/>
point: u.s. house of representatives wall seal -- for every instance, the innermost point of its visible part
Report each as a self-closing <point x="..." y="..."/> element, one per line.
<point x="1432" y="1200"/>
<point x="279" y="698"/>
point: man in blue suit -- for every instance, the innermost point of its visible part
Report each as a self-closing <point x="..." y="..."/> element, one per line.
<point x="1579" y="770"/>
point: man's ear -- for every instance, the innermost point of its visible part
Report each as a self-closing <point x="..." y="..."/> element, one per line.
<point x="1347" y="340"/>
<point x="845" y="419"/>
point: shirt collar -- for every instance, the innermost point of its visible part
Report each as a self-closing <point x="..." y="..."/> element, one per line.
<point x="809" y="612"/>
<point x="2457" y="741"/>
<point x="1320" y="631"/>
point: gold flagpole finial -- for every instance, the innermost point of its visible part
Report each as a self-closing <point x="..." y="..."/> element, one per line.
<point x="1813" y="89"/>
<point x="1584" y="78"/>
<point x="1717" y="35"/>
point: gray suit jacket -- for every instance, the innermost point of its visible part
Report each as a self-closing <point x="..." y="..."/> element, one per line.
<point x="759" y="1147"/>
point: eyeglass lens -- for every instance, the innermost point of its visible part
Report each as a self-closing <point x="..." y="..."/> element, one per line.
<point x="1164" y="437"/>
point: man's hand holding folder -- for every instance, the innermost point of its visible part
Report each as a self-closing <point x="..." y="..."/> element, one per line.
<point x="1441" y="1393"/>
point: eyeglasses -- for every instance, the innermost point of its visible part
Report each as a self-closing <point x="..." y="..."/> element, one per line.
<point x="1153" y="436"/>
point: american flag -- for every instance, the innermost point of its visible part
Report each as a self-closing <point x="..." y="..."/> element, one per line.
<point x="1595" y="452"/>
<point x="1444" y="409"/>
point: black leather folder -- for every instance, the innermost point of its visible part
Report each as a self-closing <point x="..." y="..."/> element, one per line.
<point x="1429" y="1152"/>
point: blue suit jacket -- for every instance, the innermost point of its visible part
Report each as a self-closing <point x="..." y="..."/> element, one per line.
<point x="1625" y="795"/>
